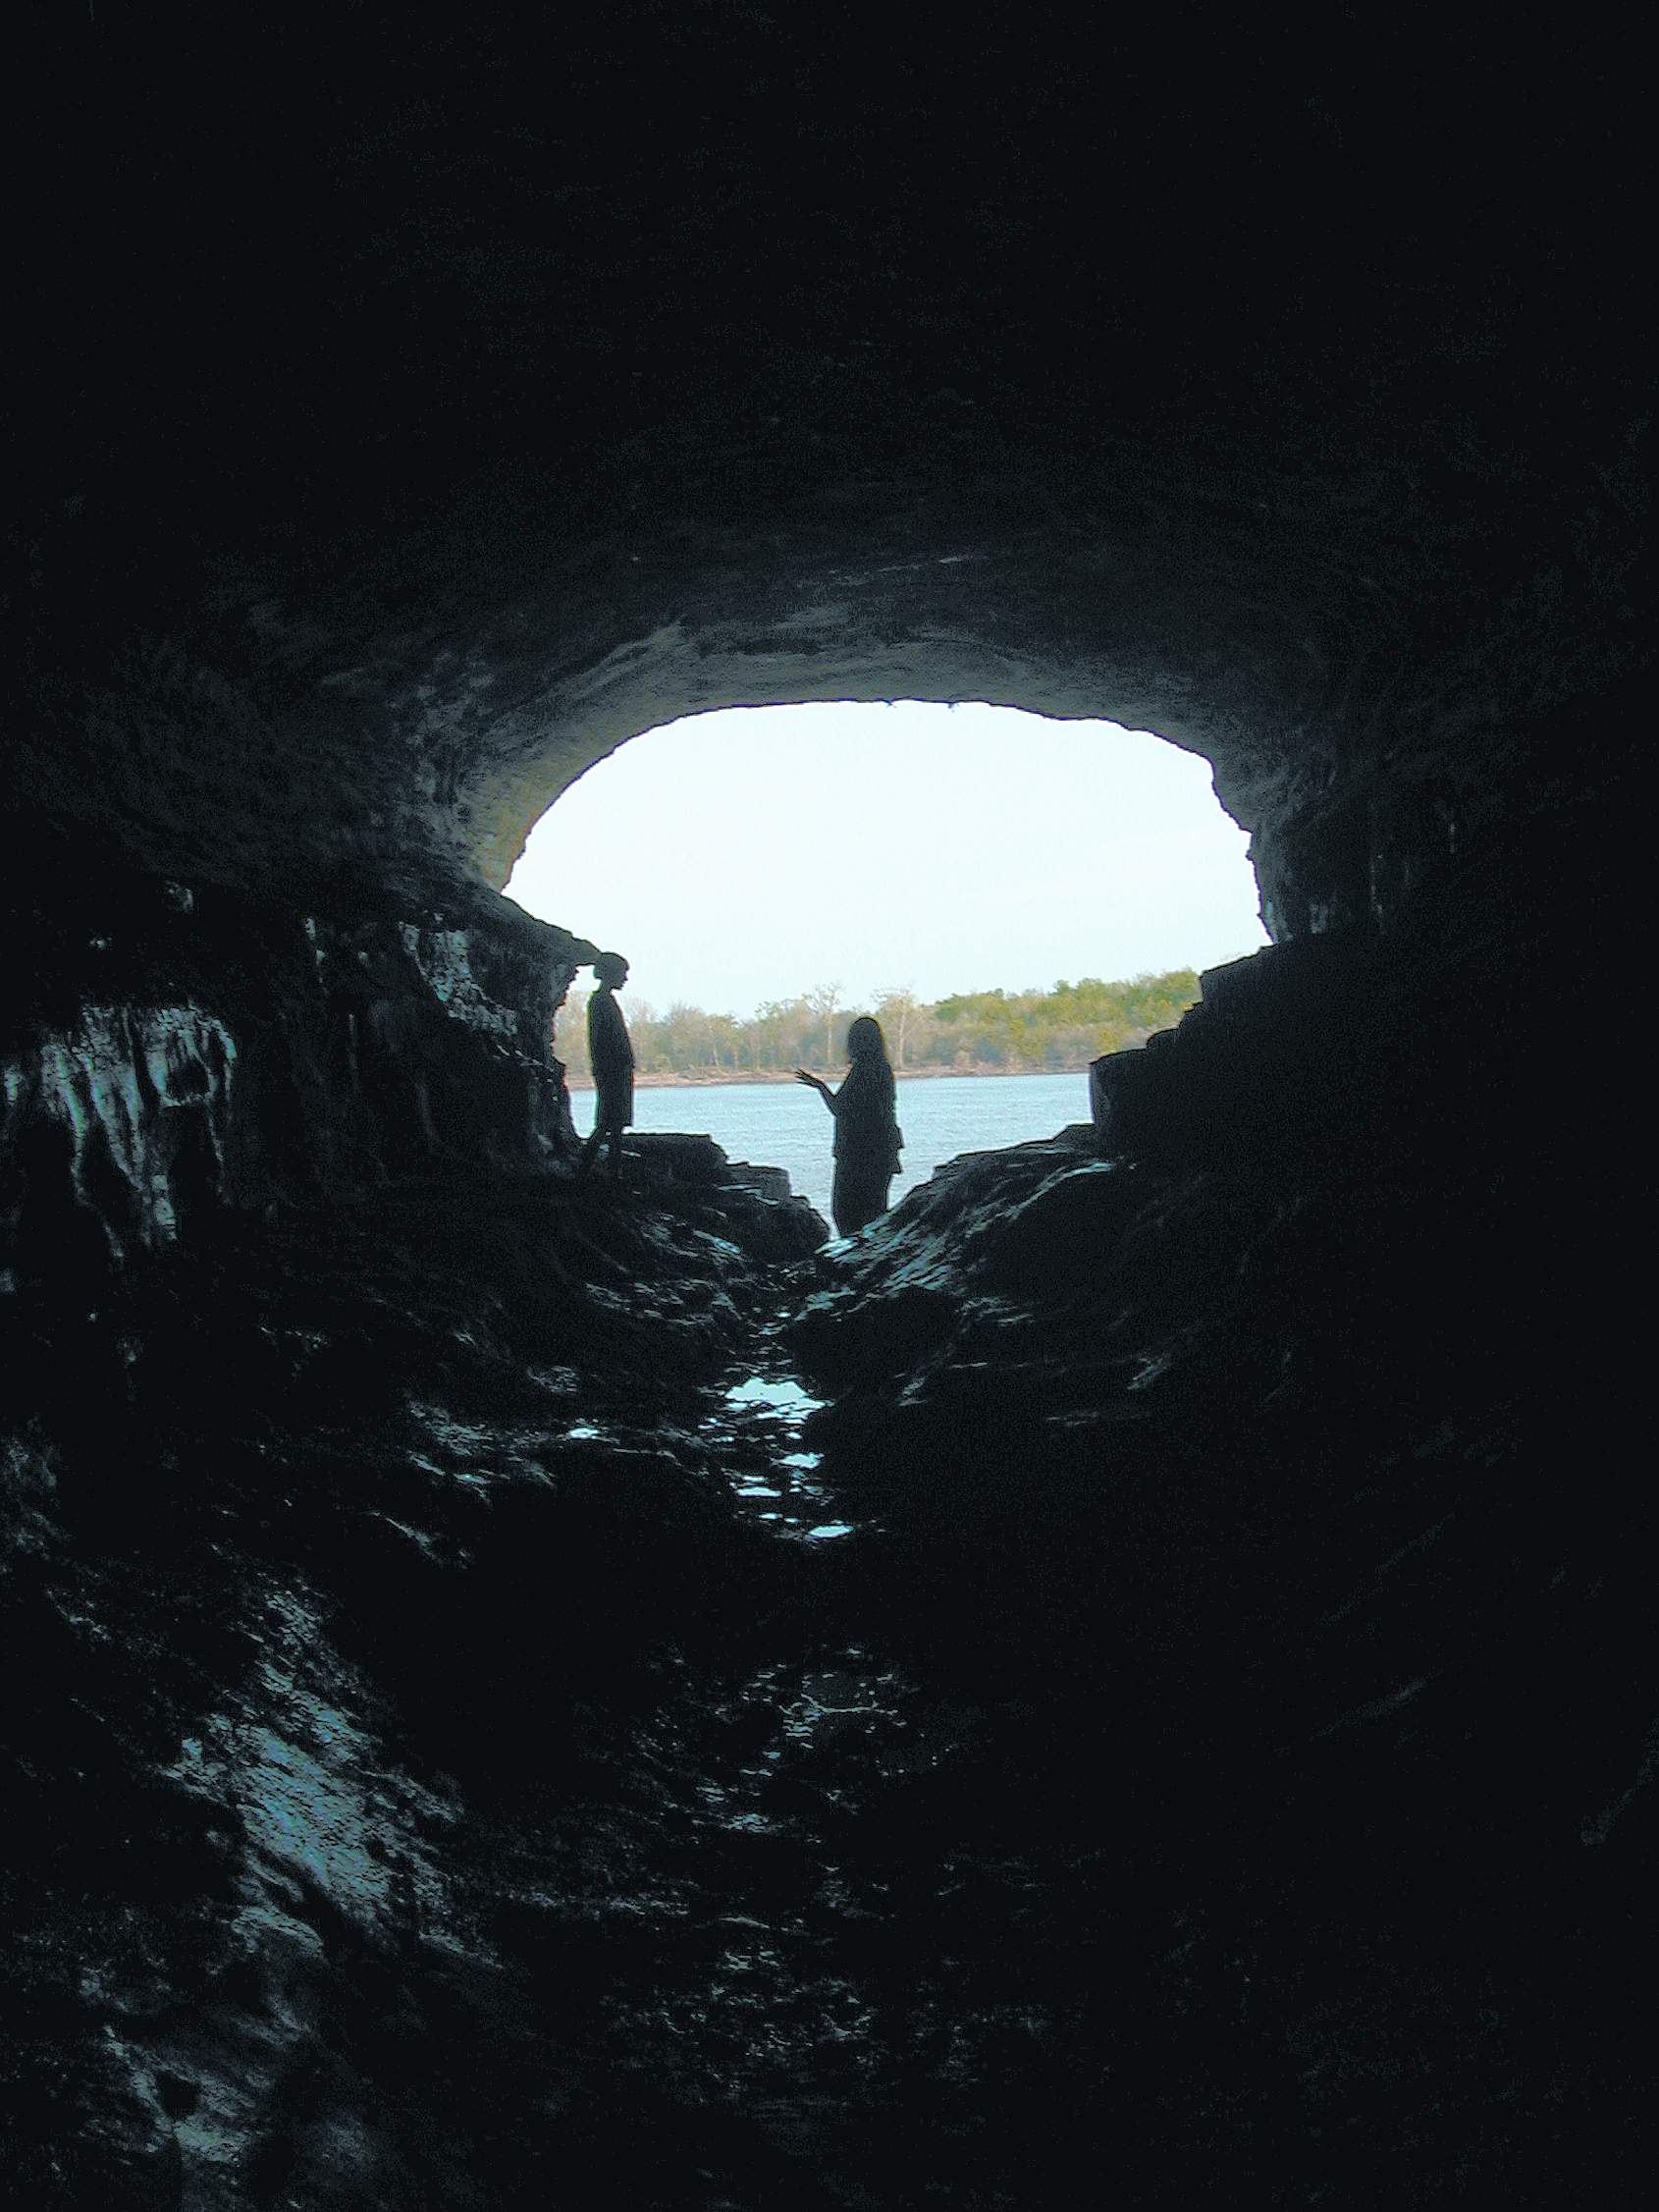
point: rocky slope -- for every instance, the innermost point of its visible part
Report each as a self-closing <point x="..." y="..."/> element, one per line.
<point x="336" y="1552"/>
<point x="1203" y="1752"/>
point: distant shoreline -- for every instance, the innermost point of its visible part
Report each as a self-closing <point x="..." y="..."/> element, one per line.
<point x="702" y="1082"/>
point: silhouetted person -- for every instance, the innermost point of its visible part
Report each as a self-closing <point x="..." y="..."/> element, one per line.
<point x="867" y="1138"/>
<point x="611" y="1057"/>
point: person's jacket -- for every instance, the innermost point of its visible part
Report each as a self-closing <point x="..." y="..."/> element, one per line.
<point x="867" y="1129"/>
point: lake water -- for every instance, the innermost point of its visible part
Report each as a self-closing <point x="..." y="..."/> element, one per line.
<point x="784" y="1124"/>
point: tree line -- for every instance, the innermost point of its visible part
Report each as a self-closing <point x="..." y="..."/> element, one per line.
<point x="990" y="1031"/>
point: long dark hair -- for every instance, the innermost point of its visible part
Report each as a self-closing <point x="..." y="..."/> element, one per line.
<point x="865" y="1041"/>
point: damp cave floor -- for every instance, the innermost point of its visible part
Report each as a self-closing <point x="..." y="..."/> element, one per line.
<point x="755" y="1874"/>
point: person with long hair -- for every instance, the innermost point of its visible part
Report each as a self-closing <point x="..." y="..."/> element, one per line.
<point x="868" y="1137"/>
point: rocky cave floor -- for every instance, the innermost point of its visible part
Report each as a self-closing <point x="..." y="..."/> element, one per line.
<point x="517" y="1701"/>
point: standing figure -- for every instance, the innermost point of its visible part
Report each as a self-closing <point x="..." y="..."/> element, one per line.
<point x="610" y="1055"/>
<point x="868" y="1137"/>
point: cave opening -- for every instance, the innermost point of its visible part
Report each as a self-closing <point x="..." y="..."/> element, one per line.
<point x="938" y="847"/>
<point x="1010" y="896"/>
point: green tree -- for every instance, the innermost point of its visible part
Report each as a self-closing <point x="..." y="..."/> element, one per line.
<point x="1062" y="1028"/>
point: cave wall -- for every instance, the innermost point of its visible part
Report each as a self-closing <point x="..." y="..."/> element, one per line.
<point x="1373" y="681"/>
<point x="172" y="1050"/>
<point x="1280" y="400"/>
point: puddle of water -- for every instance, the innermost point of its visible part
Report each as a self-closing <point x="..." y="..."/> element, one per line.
<point x="769" y="1409"/>
<point x="774" y="1395"/>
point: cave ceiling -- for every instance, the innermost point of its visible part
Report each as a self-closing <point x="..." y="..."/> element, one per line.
<point x="419" y="413"/>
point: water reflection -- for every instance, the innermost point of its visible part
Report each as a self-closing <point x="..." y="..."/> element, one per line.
<point x="753" y="1436"/>
<point x="764" y="1411"/>
<point x="776" y="1394"/>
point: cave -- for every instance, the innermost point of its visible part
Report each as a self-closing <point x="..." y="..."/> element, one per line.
<point x="1214" y="1757"/>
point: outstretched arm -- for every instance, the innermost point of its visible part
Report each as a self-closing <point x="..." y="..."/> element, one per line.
<point x="818" y="1085"/>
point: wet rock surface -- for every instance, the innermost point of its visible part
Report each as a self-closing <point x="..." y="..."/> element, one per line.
<point x="488" y="1728"/>
<point x="325" y="1569"/>
<point x="1259" y="1512"/>
<point x="189" y="1049"/>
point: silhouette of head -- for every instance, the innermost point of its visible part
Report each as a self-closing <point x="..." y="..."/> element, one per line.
<point x="865" y="1041"/>
<point x="611" y="968"/>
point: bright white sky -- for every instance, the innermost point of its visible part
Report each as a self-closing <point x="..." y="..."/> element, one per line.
<point x="754" y="853"/>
